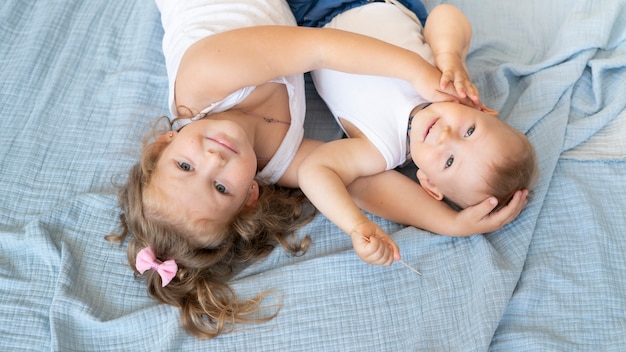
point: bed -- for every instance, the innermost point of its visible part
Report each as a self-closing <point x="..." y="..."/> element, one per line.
<point x="82" y="82"/>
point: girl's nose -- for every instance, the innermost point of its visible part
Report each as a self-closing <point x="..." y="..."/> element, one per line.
<point x="214" y="157"/>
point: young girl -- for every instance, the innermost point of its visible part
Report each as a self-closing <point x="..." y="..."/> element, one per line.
<point x="200" y="202"/>
<point x="463" y="153"/>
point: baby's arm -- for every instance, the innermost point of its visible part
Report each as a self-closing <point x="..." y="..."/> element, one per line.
<point x="323" y="176"/>
<point x="448" y="32"/>
<point x="394" y="196"/>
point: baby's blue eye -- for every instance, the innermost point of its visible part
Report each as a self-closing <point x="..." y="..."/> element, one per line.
<point x="220" y="188"/>
<point x="184" y="166"/>
<point x="449" y="161"/>
<point x="469" y="131"/>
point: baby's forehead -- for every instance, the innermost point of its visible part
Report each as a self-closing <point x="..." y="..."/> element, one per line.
<point x="472" y="184"/>
<point x="469" y="193"/>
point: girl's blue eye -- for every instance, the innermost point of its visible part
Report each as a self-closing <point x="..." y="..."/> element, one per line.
<point x="221" y="188"/>
<point x="184" y="166"/>
<point x="469" y="131"/>
<point x="449" y="161"/>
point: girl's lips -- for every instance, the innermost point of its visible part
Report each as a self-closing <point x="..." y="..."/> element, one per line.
<point x="429" y="126"/>
<point x="224" y="142"/>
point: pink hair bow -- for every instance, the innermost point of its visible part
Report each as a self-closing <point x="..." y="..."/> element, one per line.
<point x="147" y="260"/>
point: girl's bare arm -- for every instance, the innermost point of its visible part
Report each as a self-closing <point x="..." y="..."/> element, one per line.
<point x="394" y="196"/>
<point x="220" y="64"/>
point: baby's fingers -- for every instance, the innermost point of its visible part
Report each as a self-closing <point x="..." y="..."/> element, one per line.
<point x="375" y="251"/>
<point x="446" y="78"/>
<point x="465" y="88"/>
<point x="462" y="86"/>
<point x="384" y="253"/>
<point x="468" y="88"/>
<point x="395" y="250"/>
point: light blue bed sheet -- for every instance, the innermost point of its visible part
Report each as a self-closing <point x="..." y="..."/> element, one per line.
<point x="82" y="82"/>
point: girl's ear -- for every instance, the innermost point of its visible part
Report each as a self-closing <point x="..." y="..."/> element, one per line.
<point x="428" y="186"/>
<point x="167" y="137"/>
<point x="253" y="195"/>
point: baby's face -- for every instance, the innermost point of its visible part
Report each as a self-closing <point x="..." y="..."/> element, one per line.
<point x="206" y="172"/>
<point x="455" y="146"/>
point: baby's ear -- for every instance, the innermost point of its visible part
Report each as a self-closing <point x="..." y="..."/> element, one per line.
<point x="428" y="186"/>
<point x="489" y="111"/>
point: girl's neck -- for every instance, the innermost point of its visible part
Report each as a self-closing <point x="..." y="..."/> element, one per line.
<point x="265" y="116"/>
<point x="265" y="133"/>
<point x="262" y="117"/>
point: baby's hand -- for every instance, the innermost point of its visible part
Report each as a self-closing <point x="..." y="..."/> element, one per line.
<point x="454" y="71"/>
<point x="479" y="219"/>
<point x="373" y="245"/>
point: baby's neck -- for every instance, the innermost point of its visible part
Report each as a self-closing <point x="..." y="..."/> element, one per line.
<point x="418" y="108"/>
<point x="411" y="134"/>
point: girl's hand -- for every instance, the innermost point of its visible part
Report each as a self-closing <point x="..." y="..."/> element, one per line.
<point x="373" y="245"/>
<point x="478" y="218"/>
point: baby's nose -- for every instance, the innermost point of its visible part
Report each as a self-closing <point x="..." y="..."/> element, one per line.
<point x="445" y="134"/>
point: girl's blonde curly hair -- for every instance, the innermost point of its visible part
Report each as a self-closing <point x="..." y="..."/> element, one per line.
<point x="209" y="306"/>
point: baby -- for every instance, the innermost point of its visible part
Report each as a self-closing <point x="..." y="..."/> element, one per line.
<point x="463" y="151"/>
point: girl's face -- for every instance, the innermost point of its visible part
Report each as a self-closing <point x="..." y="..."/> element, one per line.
<point x="207" y="171"/>
<point x="455" y="146"/>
